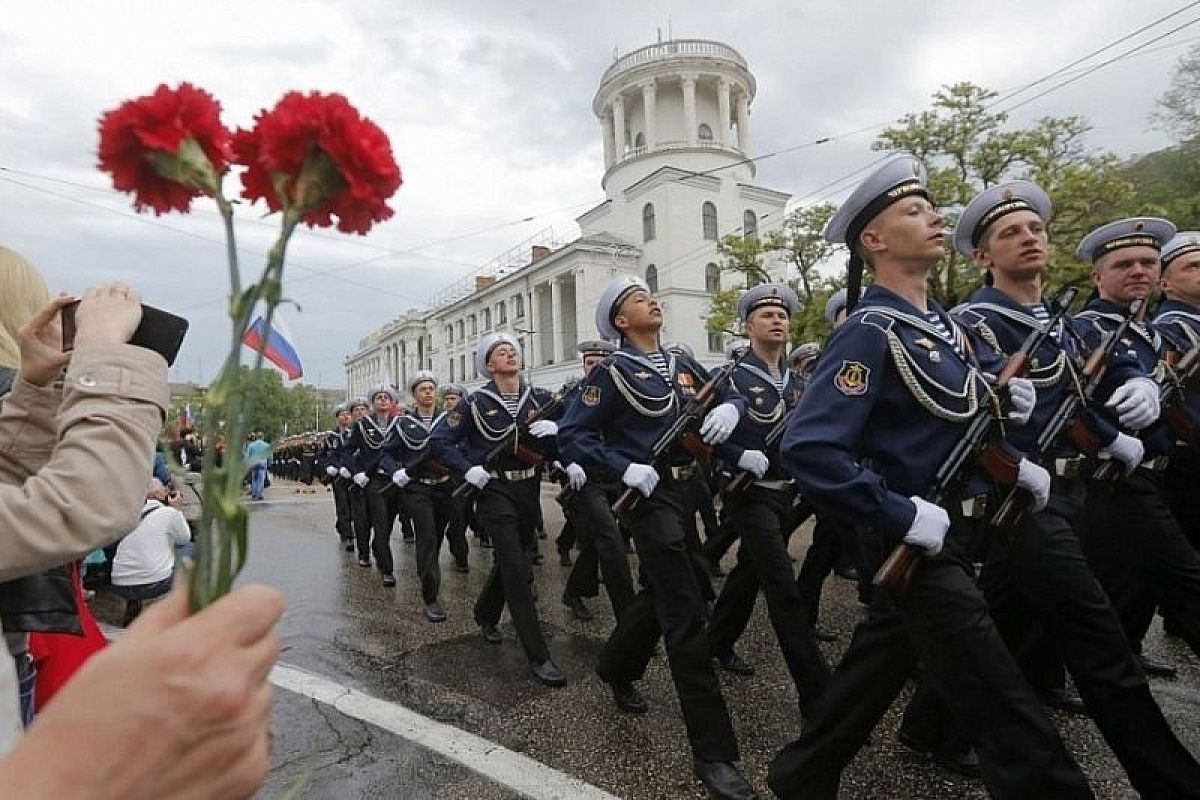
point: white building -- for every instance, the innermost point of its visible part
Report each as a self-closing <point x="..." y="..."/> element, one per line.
<point x="675" y="119"/>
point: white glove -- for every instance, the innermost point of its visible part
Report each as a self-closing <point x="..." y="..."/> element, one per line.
<point x="1022" y="397"/>
<point x="345" y="473"/>
<point x="1136" y="403"/>
<point x="754" y="461"/>
<point x="1034" y="480"/>
<point x="477" y="476"/>
<point x="1126" y="449"/>
<point x="362" y="480"/>
<point x="400" y="478"/>
<point x="719" y="423"/>
<point x="576" y="477"/>
<point x="543" y="428"/>
<point x="642" y="477"/>
<point x="929" y="526"/>
<point x="331" y="470"/>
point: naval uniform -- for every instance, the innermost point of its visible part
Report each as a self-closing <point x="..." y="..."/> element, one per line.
<point x="890" y="396"/>
<point x="1157" y="567"/>
<point x="601" y="545"/>
<point x="448" y="517"/>
<point x="336" y="448"/>
<point x="369" y="446"/>
<point x="1179" y="324"/>
<point x="762" y="514"/>
<point x="625" y="404"/>
<point x="1042" y="574"/>
<point x="506" y="507"/>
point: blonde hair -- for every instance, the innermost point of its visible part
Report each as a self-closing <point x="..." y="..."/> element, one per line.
<point x="24" y="294"/>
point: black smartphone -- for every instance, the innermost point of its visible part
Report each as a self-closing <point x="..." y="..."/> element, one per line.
<point x="160" y="331"/>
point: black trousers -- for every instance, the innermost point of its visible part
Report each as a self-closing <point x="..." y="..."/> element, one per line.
<point x="671" y="606"/>
<point x="601" y="548"/>
<point x="341" y="506"/>
<point x="761" y="515"/>
<point x="506" y="509"/>
<point x="697" y="499"/>
<point x="1141" y="556"/>
<point x="430" y="518"/>
<point x="1179" y="487"/>
<point x="943" y="621"/>
<point x="382" y="515"/>
<point x="568" y="537"/>
<point x="1044" y="570"/>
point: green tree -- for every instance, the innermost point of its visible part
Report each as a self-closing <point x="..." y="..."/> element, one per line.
<point x="1178" y="108"/>
<point x="967" y="147"/>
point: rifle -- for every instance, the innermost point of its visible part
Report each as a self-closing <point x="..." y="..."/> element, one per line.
<point x="1181" y="374"/>
<point x="742" y="481"/>
<point x="1067" y="418"/>
<point x="973" y="448"/>
<point x="512" y="441"/>
<point x="678" y="432"/>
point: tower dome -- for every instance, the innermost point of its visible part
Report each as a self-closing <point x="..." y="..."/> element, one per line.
<point x="684" y="102"/>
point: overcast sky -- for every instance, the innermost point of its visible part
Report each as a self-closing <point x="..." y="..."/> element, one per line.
<point x="488" y="106"/>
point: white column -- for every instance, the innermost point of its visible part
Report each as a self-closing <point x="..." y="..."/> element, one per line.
<point x="618" y="112"/>
<point x="534" y="353"/>
<point x="650" y="106"/>
<point x="722" y="131"/>
<point x="556" y="319"/>
<point x="607" y="136"/>
<point x="689" y="107"/>
<point x="743" y="121"/>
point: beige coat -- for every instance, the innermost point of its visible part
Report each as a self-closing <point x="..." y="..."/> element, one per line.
<point x="74" y="461"/>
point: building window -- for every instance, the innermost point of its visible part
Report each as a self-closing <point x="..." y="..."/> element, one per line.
<point x="487" y="319"/>
<point x="647" y="222"/>
<point x="462" y="368"/>
<point x="449" y="334"/>
<point x="429" y="351"/>
<point x="474" y="325"/>
<point x="452" y="370"/>
<point x="749" y="225"/>
<point x="518" y="306"/>
<point x="712" y="278"/>
<point x="708" y="216"/>
<point x="501" y="313"/>
<point x="462" y="331"/>
<point x="639" y="141"/>
<point x="652" y="279"/>
<point x="716" y="341"/>
<point x="704" y="132"/>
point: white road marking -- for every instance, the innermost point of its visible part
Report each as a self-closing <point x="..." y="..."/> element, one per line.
<point x="520" y="773"/>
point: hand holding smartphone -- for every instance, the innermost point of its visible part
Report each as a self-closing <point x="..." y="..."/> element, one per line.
<point x="160" y="331"/>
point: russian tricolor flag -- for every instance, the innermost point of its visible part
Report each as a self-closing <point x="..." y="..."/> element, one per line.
<point x="276" y="345"/>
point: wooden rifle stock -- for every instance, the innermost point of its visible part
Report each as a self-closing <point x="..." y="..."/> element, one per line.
<point x="896" y="572"/>
<point x="679" y="430"/>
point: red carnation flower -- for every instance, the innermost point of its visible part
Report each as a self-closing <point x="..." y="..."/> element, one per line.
<point x="314" y="153"/>
<point x="166" y="148"/>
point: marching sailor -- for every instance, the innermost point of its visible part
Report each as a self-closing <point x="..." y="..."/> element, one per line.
<point x="371" y="469"/>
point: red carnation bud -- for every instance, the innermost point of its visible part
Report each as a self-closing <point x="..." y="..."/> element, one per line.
<point x="316" y="156"/>
<point x="165" y="148"/>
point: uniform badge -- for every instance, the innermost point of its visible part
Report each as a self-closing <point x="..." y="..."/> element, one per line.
<point x="758" y="401"/>
<point x="591" y="396"/>
<point x="641" y="375"/>
<point x="757" y="389"/>
<point x="686" y="380"/>
<point x="935" y="356"/>
<point x="491" y="412"/>
<point x="453" y="419"/>
<point x="852" y="378"/>
<point x="926" y="343"/>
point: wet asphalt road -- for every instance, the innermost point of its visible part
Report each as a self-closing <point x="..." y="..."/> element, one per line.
<point x="343" y="625"/>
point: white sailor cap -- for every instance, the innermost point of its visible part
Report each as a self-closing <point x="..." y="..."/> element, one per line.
<point x="359" y="401"/>
<point x="454" y="389"/>
<point x="595" y="347"/>
<point x="610" y="301"/>
<point x="767" y="294"/>
<point x="419" y="378"/>
<point x="680" y="347"/>
<point x="1132" y="232"/>
<point x="489" y="343"/>
<point x="804" y="352"/>
<point x="834" y="305"/>
<point x="994" y="203"/>
<point x="900" y="175"/>
<point x="1183" y="243"/>
<point x="388" y="389"/>
<point x="341" y="408"/>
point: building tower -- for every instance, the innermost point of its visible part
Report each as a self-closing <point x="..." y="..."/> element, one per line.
<point x="667" y="112"/>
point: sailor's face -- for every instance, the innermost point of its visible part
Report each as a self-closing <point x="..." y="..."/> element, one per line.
<point x="1126" y="274"/>
<point x="769" y="324"/>
<point x="590" y="362"/>
<point x="382" y="402"/>
<point x="425" y="393"/>
<point x="909" y="229"/>
<point x="503" y="360"/>
<point x="1182" y="279"/>
<point x="451" y="401"/>
<point x="358" y="412"/>
<point x="639" y="311"/>
<point x="1016" y="245"/>
<point x="344" y="418"/>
